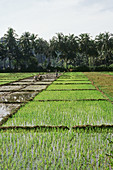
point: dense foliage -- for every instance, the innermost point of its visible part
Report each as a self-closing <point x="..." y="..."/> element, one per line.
<point x="31" y="53"/>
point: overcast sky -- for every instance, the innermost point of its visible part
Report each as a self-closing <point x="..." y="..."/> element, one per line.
<point x="48" y="17"/>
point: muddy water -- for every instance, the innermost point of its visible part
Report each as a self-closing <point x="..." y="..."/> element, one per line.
<point x="10" y="88"/>
<point x="20" y="92"/>
<point x="7" y="109"/>
<point x="17" y="97"/>
<point x="35" y="87"/>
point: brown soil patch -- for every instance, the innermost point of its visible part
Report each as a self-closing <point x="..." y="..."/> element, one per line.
<point x="102" y="82"/>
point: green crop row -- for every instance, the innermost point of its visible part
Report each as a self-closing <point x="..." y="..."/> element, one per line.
<point x="63" y="113"/>
<point x="56" y="150"/>
<point x="73" y="75"/>
<point x="4" y="82"/>
<point x="107" y="72"/>
<point x="69" y="95"/>
<point x="15" y="76"/>
<point x="71" y="86"/>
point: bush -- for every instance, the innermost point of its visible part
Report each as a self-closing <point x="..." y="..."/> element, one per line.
<point x="82" y="68"/>
<point x="101" y="68"/>
<point x="111" y="67"/>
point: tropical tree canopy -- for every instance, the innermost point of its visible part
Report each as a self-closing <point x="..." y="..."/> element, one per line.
<point x="29" y="51"/>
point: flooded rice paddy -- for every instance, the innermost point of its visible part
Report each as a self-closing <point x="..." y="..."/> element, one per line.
<point x="15" y="94"/>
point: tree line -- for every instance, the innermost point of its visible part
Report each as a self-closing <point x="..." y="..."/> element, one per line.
<point x="62" y="52"/>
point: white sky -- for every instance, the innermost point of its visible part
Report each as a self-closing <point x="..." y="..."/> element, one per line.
<point x="48" y="17"/>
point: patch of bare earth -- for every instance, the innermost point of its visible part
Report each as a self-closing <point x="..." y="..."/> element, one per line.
<point x="103" y="82"/>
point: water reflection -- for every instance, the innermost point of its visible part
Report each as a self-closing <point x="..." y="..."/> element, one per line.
<point x="18" y="97"/>
<point x="3" y="111"/>
<point x="7" y="109"/>
<point x="10" y="88"/>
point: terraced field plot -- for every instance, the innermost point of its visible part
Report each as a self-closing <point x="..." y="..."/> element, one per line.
<point x="69" y="95"/>
<point x="63" y="113"/>
<point x="71" y="87"/>
<point x="104" y="81"/>
<point x="19" y="92"/>
<point x="62" y="106"/>
<point x="56" y="150"/>
<point x="10" y="77"/>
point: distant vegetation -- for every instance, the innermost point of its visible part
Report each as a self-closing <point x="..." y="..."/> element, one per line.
<point x="62" y="52"/>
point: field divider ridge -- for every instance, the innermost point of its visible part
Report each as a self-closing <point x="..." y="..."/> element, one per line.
<point x="69" y="89"/>
<point x="60" y="127"/>
<point x="72" y="100"/>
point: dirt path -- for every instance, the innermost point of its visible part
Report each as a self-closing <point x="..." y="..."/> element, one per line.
<point x="14" y="95"/>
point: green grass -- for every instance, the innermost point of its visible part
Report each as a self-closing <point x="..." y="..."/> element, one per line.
<point x="73" y="75"/>
<point x="11" y="77"/>
<point x="71" y="86"/>
<point x="107" y="72"/>
<point x="15" y="76"/>
<point x="4" y="82"/>
<point x="64" y="77"/>
<point x="56" y="150"/>
<point x="69" y="95"/>
<point x="63" y="113"/>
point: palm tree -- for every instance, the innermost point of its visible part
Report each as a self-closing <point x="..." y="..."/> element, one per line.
<point x="104" y="43"/>
<point x="64" y="46"/>
<point x="27" y="46"/>
<point x="10" y="42"/>
<point x="3" y="52"/>
<point x="84" y="43"/>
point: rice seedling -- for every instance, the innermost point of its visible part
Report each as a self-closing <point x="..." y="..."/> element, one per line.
<point x="73" y="75"/>
<point x="56" y="150"/>
<point x="69" y="95"/>
<point x="71" y="86"/>
<point x="4" y="82"/>
<point x="70" y="149"/>
<point x="63" y="113"/>
<point x="14" y="76"/>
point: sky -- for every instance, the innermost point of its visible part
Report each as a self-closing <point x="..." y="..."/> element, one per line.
<point x="48" y="17"/>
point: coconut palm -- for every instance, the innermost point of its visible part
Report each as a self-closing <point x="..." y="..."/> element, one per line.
<point x="104" y="43"/>
<point x="26" y="43"/>
<point x="11" y="44"/>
